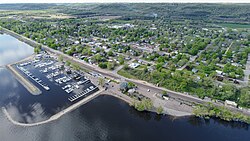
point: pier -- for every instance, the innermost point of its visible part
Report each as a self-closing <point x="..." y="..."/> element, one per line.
<point x="26" y="83"/>
<point x="37" y="80"/>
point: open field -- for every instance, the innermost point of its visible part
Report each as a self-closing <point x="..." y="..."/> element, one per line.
<point x="36" y="14"/>
<point x="234" y="25"/>
<point x="124" y="73"/>
<point x="104" y="18"/>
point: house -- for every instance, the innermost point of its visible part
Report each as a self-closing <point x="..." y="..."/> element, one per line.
<point x="153" y="28"/>
<point x="104" y="47"/>
<point x="165" y="65"/>
<point x="140" y="61"/>
<point x="76" y="42"/>
<point x="93" y="51"/>
<point x="128" y="25"/>
<point x="131" y="91"/>
<point x="134" y="65"/>
<point x="124" y="86"/>
<point x="236" y="64"/>
<point x="219" y="72"/>
<point x="162" y="53"/>
<point x="127" y="58"/>
<point x="194" y="70"/>
<point x="151" y="68"/>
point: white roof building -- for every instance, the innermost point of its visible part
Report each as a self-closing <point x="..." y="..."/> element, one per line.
<point x="134" y="65"/>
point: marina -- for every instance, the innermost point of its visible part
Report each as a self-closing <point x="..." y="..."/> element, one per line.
<point x="37" y="80"/>
<point x="74" y="83"/>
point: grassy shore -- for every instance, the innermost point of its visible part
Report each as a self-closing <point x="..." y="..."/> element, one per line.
<point x="210" y="110"/>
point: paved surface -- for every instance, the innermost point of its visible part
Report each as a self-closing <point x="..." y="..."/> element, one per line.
<point x="171" y="106"/>
<point x="247" y="71"/>
<point x="229" y="47"/>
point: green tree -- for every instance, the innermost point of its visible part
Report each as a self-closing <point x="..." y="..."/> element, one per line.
<point x="60" y="58"/>
<point x="110" y="65"/>
<point x="121" y="60"/>
<point x="110" y="53"/>
<point x="75" y="66"/>
<point x="245" y="98"/>
<point x="68" y="63"/>
<point x="37" y="49"/>
<point x="145" y="104"/>
<point x="103" y="65"/>
<point x="101" y="82"/>
<point x="159" y="110"/>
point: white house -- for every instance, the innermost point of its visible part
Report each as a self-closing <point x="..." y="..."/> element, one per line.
<point x="134" y="65"/>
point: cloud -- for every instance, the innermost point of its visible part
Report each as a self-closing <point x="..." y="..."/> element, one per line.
<point x="12" y="50"/>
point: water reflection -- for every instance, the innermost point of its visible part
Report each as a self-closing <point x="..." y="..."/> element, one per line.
<point x="158" y="117"/>
<point x="12" y="50"/>
<point x="196" y="121"/>
<point x="25" y="107"/>
<point x="144" y="115"/>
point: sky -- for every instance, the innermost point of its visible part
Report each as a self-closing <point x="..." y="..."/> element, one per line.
<point x="116" y="1"/>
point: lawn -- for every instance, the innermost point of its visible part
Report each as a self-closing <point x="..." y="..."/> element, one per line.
<point x="124" y="73"/>
<point x="234" y="25"/>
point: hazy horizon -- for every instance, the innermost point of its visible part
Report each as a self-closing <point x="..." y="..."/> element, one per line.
<point x="122" y="1"/>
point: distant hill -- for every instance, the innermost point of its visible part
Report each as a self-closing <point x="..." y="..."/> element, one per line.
<point x="26" y="6"/>
<point x="172" y="11"/>
<point x="175" y="11"/>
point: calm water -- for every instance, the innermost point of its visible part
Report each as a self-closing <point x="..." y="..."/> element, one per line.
<point x="12" y="50"/>
<point x="104" y="118"/>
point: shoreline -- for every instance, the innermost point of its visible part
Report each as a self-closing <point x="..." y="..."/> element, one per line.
<point x="167" y="111"/>
<point x="24" y="81"/>
<point x="55" y="116"/>
<point x="31" y="88"/>
<point x="71" y="108"/>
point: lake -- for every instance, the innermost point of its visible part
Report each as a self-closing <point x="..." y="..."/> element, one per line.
<point x="105" y="118"/>
<point x="12" y="50"/>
